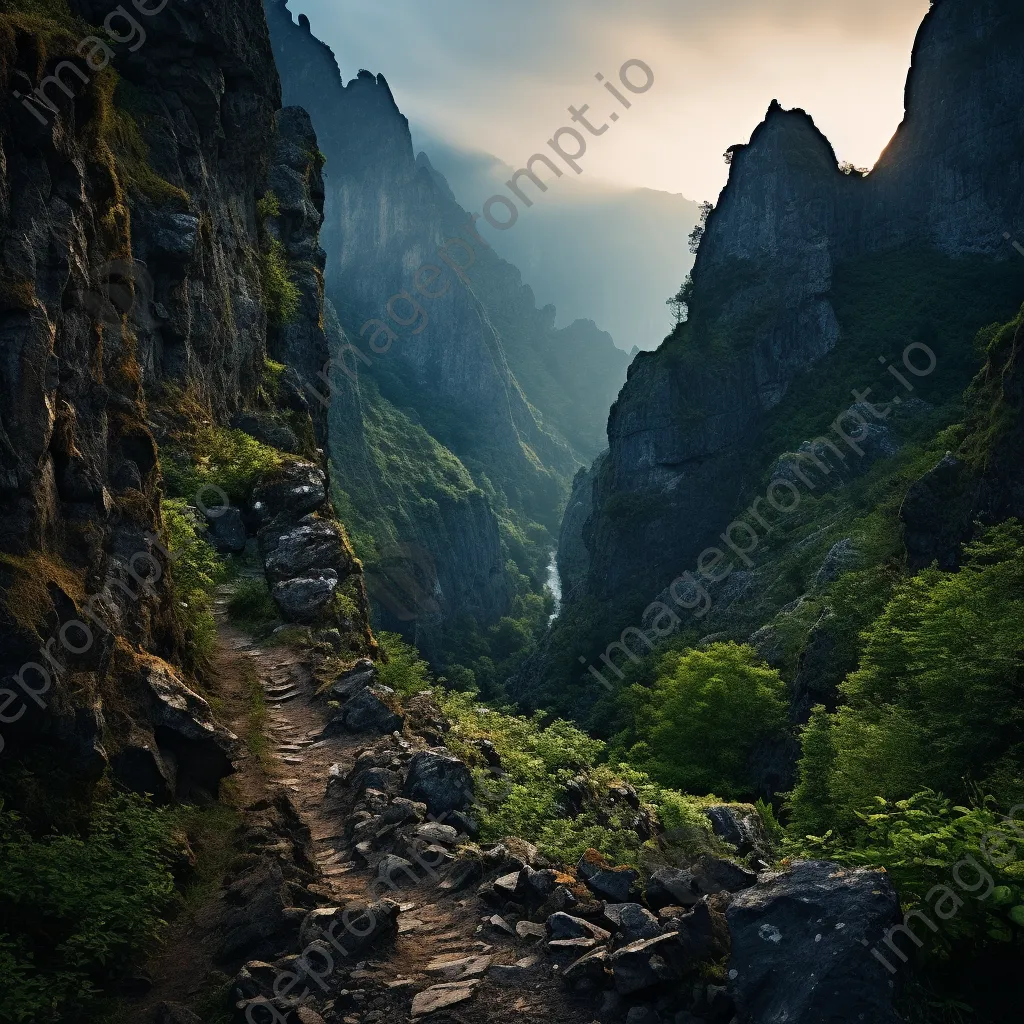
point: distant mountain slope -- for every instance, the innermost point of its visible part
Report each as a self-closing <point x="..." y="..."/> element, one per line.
<point x="594" y="251"/>
<point x="471" y="411"/>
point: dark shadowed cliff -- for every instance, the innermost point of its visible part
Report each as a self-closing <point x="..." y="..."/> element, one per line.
<point x="141" y="329"/>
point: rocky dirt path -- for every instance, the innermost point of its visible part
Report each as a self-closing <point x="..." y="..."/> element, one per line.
<point x="444" y="955"/>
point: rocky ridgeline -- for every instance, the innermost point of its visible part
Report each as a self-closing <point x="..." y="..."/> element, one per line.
<point x="708" y="939"/>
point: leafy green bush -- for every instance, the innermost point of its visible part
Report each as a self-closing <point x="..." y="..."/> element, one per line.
<point x="251" y="606"/>
<point x="281" y="295"/>
<point x="937" y="698"/>
<point x="694" y="730"/>
<point x="932" y="848"/>
<point x="198" y="569"/>
<point x="404" y="671"/>
<point x="539" y="760"/>
<point x="216" y="457"/>
<point x="76" y="910"/>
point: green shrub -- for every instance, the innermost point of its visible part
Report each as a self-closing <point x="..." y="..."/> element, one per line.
<point x="936" y="700"/>
<point x="695" y="729"/>
<point x="251" y="606"/>
<point x="539" y="759"/>
<point x="197" y="570"/>
<point x="927" y="845"/>
<point x="404" y="671"/>
<point x="77" y="910"/>
<point x="281" y="295"/>
<point x="216" y="457"/>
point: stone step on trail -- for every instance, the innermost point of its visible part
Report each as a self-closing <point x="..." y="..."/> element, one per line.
<point x="439" y="997"/>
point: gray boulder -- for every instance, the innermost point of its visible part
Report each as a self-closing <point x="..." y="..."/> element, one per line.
<point x="303" y="599"/>
<point x="672" y="887"/>
<point x="294" y="489"/>
<point x="435" y="832"/>
<point x="357" y="678"/>
<point x="371" y="710"/>
<point x="226" y="530"/>
<point x="383" y="780"/>
<point x="440" y="780"/>
<point x="305" y="549"/>
<point x="632" y="921"/>
<point x="190" y="742"/>
<point x="512" y="854"/>
<point x="615" y="884"/>
<point x="716" y="874"/>
<point x="645" y="964"/>
<point x="703" y="932"/>
<point x="394" y="871"/>
<point x="740" y="826"/>
<point x="356" y="927"/>
<point x="403" y="812"/>
<point x="802" y="946"/>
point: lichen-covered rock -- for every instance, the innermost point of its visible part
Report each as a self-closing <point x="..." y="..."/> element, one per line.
<point x="372" y="710"/>
<point x="615" y="883"/>
<point x="357" y="678"/>
<point x="440" y="780"/>
<point x="632" y="921"/>
<point x="802" y="945"/>
<point x="741" y="826"/>
<point x="304" y="549"/>
<point x="305" y="599"/>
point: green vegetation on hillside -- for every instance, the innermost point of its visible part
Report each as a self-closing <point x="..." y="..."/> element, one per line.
<point x="696" y="727"/>
<point x="540" y="758"/>
<point x="398" y="488"/>
<point x="936" y="702"/>
<point x="197" y="571"/>
<point x="77" y="908"/>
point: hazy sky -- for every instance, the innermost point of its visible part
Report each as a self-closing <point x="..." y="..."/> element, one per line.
<point x="499" y="77"/>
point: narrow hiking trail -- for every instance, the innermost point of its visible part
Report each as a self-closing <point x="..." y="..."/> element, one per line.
<point x="444" y="952"/>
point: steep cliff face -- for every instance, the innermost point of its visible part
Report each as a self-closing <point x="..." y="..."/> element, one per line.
<point x="982" y="483"/>
<point x="455" y="364"/>
<point x="483" y="341"/>
<point x="133" y="288"/>
<point x="954" y="170"/>
<point x="791" y="240"/>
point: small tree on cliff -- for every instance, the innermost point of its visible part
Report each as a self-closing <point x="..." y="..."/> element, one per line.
<point x="698" y="232"/>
